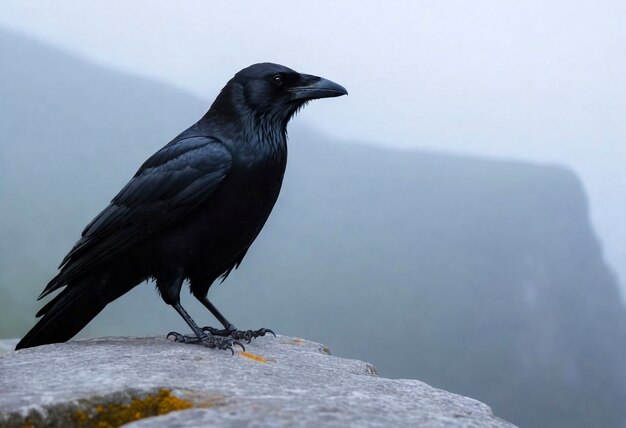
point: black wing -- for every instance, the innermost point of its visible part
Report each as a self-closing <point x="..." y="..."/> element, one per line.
<point x="167" y="186"/>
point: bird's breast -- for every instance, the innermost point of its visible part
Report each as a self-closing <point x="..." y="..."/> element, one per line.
<point x="225" y="225"/>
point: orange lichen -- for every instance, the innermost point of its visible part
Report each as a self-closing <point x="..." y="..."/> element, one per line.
<point x="115" y="415"/>
<point x="254" y="357"/>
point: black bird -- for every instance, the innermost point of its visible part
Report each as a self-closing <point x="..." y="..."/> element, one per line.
<point x="190" y="212"/>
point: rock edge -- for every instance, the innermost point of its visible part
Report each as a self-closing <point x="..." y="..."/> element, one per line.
<point x="281" y="381"/>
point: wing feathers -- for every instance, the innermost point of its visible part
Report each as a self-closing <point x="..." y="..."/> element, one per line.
<point x="167" y="186"/>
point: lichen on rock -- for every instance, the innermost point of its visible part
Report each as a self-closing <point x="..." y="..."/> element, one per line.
<point x="112" y="415"/>
<point x="108" y="411"/>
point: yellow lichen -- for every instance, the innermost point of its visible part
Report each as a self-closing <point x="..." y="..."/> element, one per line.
<point x="254" y="357"/>
<point x="115" y="415"/>
<point x="81" y="417"/>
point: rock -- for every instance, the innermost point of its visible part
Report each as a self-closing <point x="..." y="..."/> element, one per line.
<point x="153" y="382"/>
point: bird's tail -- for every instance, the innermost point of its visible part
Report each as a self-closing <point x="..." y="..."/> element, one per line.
<point x="65" y="315"/>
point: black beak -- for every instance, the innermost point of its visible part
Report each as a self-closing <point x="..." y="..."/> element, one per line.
<point x="313" y="87"/>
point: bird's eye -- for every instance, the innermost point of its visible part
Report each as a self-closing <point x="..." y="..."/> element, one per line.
<point x="277" y="79"/>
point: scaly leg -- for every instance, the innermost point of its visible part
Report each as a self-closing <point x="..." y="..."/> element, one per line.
<point x="169" y="286"/>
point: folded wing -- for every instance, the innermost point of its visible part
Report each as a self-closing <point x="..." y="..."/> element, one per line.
<point x="166" y="188"/>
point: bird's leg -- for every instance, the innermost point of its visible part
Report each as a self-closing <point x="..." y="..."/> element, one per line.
<point x="201" y="337"/>
<point x="169" y="286"/>
<point x="229" y="329"/>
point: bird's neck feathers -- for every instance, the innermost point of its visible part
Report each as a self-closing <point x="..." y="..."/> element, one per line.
<point x="269" y="127"/>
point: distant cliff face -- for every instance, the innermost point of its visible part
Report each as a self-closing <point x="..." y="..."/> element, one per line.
<point x="484" y="277"/>
<point x="479" y="276"/>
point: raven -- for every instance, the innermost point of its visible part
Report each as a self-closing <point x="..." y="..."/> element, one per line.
<point x="190" y="212"/>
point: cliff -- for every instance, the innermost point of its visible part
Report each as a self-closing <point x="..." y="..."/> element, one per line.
<point x="151" y="382"/>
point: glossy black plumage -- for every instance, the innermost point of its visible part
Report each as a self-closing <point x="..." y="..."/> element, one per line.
<point x="191" y="211"/>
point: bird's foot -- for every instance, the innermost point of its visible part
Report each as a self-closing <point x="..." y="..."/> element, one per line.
<point x="237" y="335"/>
<point x="208" y="340"/>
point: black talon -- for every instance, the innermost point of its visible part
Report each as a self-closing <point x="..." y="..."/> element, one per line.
<point x="225" y="346"/>
<point x="176" y="337"/>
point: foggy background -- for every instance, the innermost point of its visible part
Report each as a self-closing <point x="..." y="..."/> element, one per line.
<point x="542" y="81"/>
<point x="461" y="207"/>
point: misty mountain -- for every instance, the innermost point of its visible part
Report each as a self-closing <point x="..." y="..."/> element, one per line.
<point x="478" y="276"/>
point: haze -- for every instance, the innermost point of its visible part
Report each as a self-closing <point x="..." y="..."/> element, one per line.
<point x="527" y="80"/>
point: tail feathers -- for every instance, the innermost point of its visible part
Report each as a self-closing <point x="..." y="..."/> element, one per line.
<point x="64" y="316"/>
<point x="48" y="306"/>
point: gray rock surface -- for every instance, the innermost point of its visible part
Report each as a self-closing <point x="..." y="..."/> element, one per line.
<point x="278" y="382"/>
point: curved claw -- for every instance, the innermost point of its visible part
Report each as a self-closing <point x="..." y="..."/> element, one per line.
<point x="175" y="337"/>
<point x="220" y="343"/>
<point x="238" y="343"/>
<point x="232" y="351"/>
<point x="233" y="343"/>
<point x="181" y="338"/>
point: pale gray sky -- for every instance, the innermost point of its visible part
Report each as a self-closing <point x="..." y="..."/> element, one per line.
<point x="535" y="80"/>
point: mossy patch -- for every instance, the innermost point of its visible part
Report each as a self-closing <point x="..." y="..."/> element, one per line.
<point x="110" y="411"/>
<point x="114" y="415"/>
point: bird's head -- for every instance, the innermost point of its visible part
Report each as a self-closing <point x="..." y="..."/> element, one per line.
<point x="273" y="91"/>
